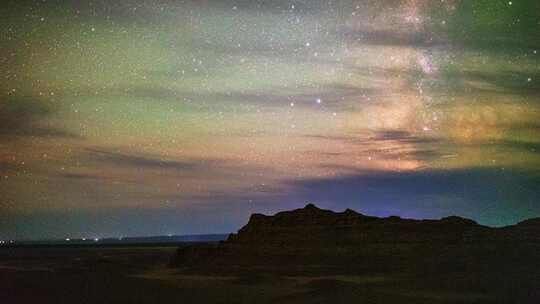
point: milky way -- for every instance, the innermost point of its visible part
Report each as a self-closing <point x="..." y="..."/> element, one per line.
<point x="155" y="117"/>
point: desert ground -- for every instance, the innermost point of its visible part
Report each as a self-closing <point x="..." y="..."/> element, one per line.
<point x="142" y="275"/>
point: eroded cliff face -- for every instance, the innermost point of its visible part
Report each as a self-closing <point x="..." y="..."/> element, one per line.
<point x="314" y="225"/>
<point x="348" y="240"/>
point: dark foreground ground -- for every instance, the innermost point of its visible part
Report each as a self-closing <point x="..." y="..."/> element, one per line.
<point x="141" y="275"/>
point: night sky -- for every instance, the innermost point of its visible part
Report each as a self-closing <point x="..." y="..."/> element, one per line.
<point x="131" y="118"/>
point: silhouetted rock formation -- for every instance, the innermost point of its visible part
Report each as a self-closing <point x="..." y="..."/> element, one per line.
<point x="312" y="237"/>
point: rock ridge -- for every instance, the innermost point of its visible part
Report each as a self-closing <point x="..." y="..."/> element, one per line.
<point x="351" y="240"/>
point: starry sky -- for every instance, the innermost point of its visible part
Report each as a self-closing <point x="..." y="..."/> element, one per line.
<point x="132" y="118"/>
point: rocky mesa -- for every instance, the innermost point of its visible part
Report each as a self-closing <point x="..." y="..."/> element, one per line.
<point x="352" y="242"/>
